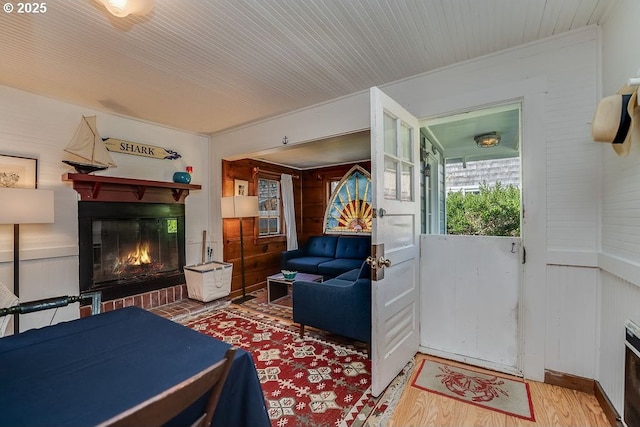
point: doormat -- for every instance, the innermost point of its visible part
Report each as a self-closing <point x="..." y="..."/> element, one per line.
<point x="306" y="382"/>
<point x="501" y="394"/>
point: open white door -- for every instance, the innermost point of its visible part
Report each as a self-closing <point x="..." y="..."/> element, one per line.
<point x="395" y="238"/>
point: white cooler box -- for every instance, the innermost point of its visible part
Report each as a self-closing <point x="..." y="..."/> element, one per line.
<point x="208" y="281"/>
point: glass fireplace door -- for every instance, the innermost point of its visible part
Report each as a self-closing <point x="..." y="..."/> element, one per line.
<point x="127" y="249"/>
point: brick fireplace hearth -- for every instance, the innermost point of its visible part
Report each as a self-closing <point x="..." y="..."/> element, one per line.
<point x="147" y="300"/>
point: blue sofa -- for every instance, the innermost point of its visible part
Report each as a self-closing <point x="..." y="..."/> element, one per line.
<point x="341" y="305"/>
<point x="329" y="256"/>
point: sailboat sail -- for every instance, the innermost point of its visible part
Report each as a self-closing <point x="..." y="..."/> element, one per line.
<point x="87" y="147"/>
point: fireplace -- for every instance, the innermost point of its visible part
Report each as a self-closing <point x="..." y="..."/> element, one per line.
<point x="130" y="248"/>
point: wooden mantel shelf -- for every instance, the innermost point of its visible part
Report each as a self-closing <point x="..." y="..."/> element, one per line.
<point x="114" y="189"/>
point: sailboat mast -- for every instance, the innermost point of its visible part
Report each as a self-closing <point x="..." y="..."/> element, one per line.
<point x="93" y="148"/>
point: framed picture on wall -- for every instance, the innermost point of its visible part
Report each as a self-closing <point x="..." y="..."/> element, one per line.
<point x="18" y="172"/>
<point x="240" y="187"/>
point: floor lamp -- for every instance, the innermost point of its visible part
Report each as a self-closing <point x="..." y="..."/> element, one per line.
<point x="23" y="206"/>
<point x="240" y="207"/>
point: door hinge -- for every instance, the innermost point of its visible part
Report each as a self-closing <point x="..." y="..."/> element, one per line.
<point x="524" y="255"/>
<point x="375" y="213"/>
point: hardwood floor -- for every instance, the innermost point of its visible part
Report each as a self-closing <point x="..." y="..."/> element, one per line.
<point x="552" y="405"/>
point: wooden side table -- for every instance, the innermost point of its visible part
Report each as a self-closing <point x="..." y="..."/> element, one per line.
<point x="278" y="286"/>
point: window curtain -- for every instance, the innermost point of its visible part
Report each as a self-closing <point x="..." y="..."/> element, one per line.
<point x="289" y="208"/>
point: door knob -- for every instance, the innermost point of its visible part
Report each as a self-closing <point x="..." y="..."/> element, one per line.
<point x="370" y="260"/>
<point x="383" y="262"/>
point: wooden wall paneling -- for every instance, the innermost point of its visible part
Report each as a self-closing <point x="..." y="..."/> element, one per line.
<point x="315" y="187"/>
<point x="262" y="255"/>
<point x="315" y="210"/>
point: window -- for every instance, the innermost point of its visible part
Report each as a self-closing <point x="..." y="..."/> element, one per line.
<point x="269" y="221"/>
<point x="333" y="184"/>
<point x="483" y="197"/>
<point x="349" y="209"/>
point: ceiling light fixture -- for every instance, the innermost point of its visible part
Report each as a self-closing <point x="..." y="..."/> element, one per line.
<point x="487" y="140"/>
<point x="123" y="8"/>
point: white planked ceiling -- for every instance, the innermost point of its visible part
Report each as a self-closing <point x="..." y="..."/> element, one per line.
<point x="206" y="66"/>
<point x="342" y="149"/>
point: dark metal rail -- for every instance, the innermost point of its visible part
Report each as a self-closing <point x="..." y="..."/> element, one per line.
<point x="55" y="302"/>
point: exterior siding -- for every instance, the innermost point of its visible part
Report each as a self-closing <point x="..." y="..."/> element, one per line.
<point x="505" y="171"/>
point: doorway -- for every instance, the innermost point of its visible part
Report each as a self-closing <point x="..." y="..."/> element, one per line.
<point x="471" y="271"/>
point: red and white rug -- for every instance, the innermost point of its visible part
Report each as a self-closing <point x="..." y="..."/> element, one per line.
<point x="497" y="393"/>
<point x="306" y="382"/>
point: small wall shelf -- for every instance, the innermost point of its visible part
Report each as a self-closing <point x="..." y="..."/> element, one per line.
<point x="114" y="189"/>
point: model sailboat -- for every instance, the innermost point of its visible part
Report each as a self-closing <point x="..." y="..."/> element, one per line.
<point x="88" y="151"/>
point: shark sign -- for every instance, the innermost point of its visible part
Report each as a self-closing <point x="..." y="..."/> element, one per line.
<point x="136" y="149"/>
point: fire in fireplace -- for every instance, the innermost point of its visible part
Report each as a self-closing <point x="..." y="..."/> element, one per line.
<point x="138" y="261"/>
<point x="130" y="248"/>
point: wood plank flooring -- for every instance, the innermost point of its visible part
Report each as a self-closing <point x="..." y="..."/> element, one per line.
<point x="552" y="405"/>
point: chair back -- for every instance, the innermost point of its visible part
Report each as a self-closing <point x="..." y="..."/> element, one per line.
<point x="163" y="407"/>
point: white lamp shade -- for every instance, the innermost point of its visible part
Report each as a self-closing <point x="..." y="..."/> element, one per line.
<point x="26" y="206"/>
<point x="239" y="206"/>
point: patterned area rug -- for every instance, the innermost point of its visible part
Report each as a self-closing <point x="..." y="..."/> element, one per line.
<point x="502" y="394"/>
<point x="306" y="382"/>
<point x="281" y="308"/>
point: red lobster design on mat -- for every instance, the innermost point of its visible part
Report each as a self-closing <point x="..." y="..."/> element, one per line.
<point x="477" y="389"/>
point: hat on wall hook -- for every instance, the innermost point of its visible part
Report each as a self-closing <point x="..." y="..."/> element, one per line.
<point x="285" y="140"/>
<point x="614" y="120"/>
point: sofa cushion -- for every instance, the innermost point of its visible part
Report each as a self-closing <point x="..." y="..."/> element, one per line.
<point x="354" y="247"/>
<point x="307" y="264"/>
<point x="364" y="272"/>
<point x="338" y="266"/>
<point x="351" y="275"/>
<point x="338" y="282"/>
<point x="321" y="246"/>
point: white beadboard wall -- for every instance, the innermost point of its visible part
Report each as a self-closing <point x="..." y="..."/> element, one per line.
<point x="572" y="157"/>
<point x="35" y="126"/>
<point x="620" y="255"/>
<point x="572" y="323"/>
<point x="620" y="301"/>
<point x="557" y="79"/>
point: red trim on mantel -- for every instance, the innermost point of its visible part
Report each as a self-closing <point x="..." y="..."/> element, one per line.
<point x="114" y="189"/>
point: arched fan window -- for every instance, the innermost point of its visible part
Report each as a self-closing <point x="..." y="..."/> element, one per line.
<point x="349" y="210"/>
